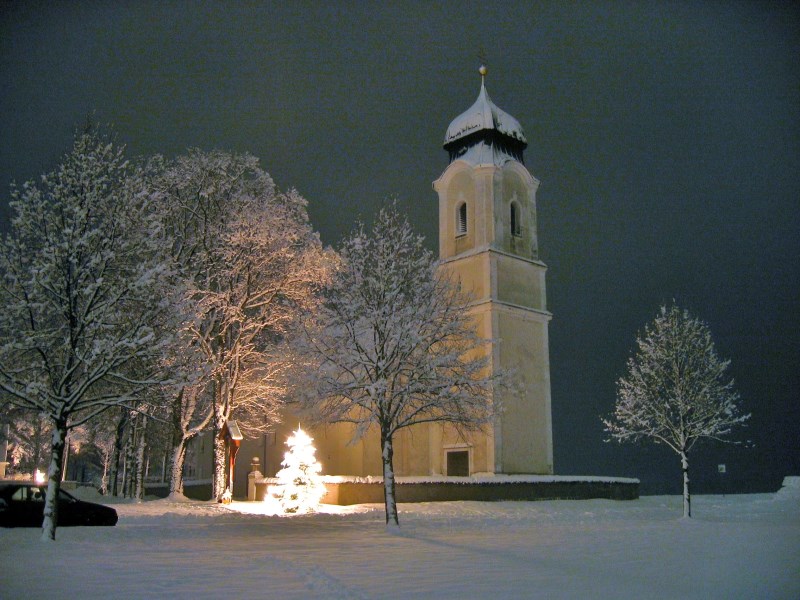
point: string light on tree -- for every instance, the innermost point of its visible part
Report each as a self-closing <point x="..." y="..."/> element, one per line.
<point x="300" y="488"/>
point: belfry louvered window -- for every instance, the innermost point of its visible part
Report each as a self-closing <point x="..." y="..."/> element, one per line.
<point x="461" y="219"/>
<point x="516" y="229"/>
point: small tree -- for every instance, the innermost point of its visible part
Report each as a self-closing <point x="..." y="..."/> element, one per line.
<point x="299" y="486"/>
<point x="676" y="391"/>
<point x="394" y="345"/>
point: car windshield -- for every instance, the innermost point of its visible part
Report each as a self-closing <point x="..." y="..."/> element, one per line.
<point x="62" y="495"/>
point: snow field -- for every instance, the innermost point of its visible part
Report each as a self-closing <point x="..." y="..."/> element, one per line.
<point x="737" y="547"/>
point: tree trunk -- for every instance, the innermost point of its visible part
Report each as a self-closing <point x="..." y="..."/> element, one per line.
<point x="220" y="479"/>
<point x="128" y="470"/>
<point x="54" y="474"/>
<point x="687" y="499"/>
<point x="176" y="468"/>
<point x="115" y="455"/>
<point x="106" y="458"/>
<point x="389" y="498"/>
<point x="141" y="443"/>
<point x="64" y="471"/>
<point x="179" y="442"/>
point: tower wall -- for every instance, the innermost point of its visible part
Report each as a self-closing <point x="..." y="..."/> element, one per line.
<point x="524" y="442"/>
<point x="496" y="261"/>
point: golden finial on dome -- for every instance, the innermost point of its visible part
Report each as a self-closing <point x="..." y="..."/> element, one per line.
<point x="482" y="69"/>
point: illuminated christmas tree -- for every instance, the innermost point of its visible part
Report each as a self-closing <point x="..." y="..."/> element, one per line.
<point x="300" y="486"/>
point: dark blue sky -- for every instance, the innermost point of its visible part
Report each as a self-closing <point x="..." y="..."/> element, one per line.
<point x="666" y="136"/>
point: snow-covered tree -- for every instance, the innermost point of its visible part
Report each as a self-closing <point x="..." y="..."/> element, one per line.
<point x="299" y="487"/>
<point x="676" y="391"/>
<point x="186" y="408"/>
<point x="393" y="345"/>
<point x="249" y="264"/>
<point x="102" y="436"/>
<point x="29" y="437"/>
<point x="76" y="286"/>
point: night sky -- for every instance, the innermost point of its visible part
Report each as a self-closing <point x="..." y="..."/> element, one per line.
<point x="666" y="136"/>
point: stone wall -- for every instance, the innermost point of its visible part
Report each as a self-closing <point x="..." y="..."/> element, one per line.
<point x="366" y="492"/>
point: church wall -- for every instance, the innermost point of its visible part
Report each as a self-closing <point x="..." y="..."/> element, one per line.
<point x="526" y="421"/>
<point x="473" y="274"/>
<point x="339" y="457"/>
<point x="508" y="189"/>
<point x="418" y="450"/>
<point x="484" y="184"/>
<point x="460" y="189"/>
<point x="514" y="184"/>
<point x="333" y="450"/>
<point x="412" y="451"/>
<point x="520" y="282"/>
<point x="479" y="443"/>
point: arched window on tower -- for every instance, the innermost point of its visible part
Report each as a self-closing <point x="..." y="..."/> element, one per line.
<point x="516" y="228"/>
<point x="461" y="219"/>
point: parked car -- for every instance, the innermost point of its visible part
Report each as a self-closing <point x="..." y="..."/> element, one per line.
<point x="22" y="505"/>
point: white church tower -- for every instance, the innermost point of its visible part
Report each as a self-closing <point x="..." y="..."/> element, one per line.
<point x="488" y="239"/>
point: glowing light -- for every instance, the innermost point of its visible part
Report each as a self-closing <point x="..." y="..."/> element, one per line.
<point x="300" y="486"/>
<point x="39" y="477"/>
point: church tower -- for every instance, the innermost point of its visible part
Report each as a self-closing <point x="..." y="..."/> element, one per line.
<point x="488" y="241"/>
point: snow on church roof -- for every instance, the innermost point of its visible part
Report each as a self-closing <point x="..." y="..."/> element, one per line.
<point x="484" y="115"/>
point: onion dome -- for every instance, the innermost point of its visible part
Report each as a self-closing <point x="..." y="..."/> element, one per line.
<point x="485" y="133"/>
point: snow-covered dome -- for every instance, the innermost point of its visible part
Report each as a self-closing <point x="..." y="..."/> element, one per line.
<point x="485" y="124"/>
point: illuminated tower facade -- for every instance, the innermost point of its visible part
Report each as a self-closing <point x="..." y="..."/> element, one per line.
<point x="488" y="240"/>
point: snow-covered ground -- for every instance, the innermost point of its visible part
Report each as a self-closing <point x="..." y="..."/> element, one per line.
<point x="736" y="547"/>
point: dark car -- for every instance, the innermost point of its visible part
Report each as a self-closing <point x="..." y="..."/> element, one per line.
<point x="22" y="505"/>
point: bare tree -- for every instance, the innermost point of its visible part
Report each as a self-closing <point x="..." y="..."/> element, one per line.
<point x="76" y="285"/>
<point x="676" y="391"/>
<point x="394" y="346"/>
<point x="250" y="264"/>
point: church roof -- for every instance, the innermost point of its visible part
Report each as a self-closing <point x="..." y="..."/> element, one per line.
<point x="483" y="122"/>
<point x="484" y="114"/>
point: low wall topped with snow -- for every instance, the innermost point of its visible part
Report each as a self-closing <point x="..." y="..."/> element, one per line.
<point x="790" y="488"/>
<point x="366" y="490"/>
